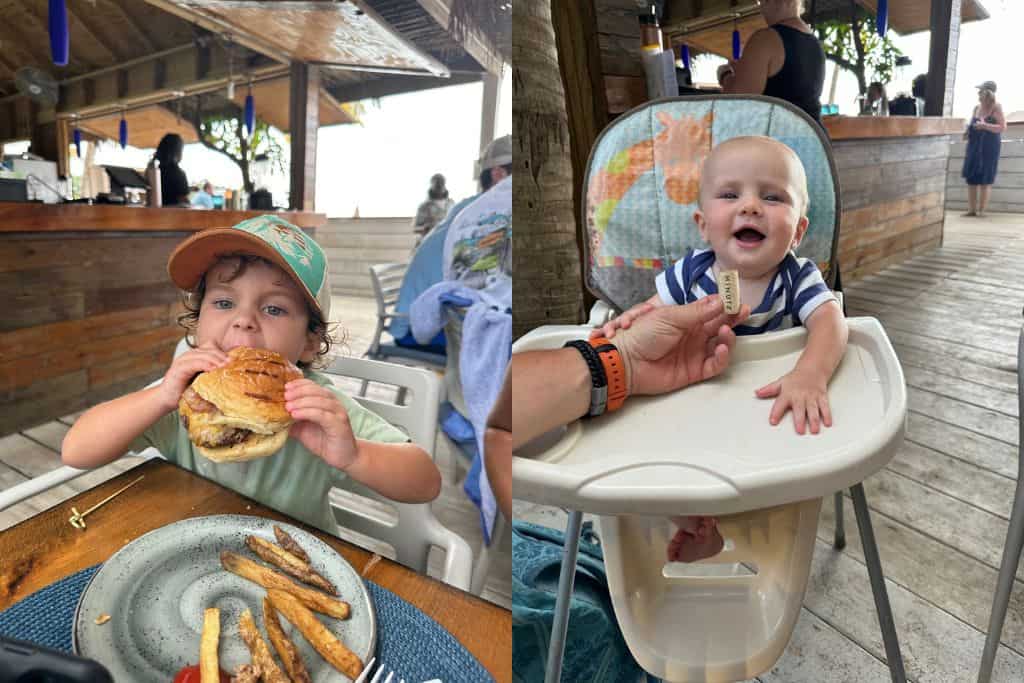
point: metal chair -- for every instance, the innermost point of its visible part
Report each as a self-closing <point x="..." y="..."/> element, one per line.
<point x="409" y="528"/>
<point x="386" y="279"/>
<point x="1014" y="541"/>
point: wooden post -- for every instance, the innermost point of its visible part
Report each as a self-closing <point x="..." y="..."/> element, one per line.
<point x="945" y="23"/>
<point x="489" y="112"/>
<point x="579" y="59"/>
<point x="63" y="150"/>
<point x="304" y="117"/>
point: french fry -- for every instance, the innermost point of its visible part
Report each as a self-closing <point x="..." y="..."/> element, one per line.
<point x="262" y="660"/>
<point x="286" y="649"/>
<point x="322" y="640"/>
<point x="209" y="667"/>
<point x="288" y="563"/>
<point x="268" y="578"/>
<point x="246" y="673"/>
<point x="290" y="544"/>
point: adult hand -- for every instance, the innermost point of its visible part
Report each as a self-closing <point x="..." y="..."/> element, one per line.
<point x="674" y="346"/>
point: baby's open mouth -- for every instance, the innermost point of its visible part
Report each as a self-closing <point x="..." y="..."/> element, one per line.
<point x="749" y="235"/>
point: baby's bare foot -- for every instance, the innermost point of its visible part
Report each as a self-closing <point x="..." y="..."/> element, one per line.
<point x="696" y="539"/>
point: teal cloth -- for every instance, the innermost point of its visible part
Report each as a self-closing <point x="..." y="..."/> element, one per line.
<point x="408" y="641"/>
<point x="594" y="648"/>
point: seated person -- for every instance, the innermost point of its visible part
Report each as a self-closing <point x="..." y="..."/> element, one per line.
<point x="425" y="270"/>
<point x="261" y="284"/>
<point x="203" y="199"/>
<point x="753" y="214"/>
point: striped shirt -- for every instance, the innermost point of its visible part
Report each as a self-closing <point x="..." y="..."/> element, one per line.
<point x="793" y="294"/>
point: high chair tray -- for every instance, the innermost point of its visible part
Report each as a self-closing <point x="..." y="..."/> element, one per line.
<point x="709" y="449"/>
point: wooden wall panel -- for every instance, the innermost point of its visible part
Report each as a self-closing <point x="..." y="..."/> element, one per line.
<point x="893" y="197"/>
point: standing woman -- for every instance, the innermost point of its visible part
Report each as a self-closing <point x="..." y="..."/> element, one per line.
<point x="173" y="183"/>
<point x="784" y="60"/>
<point x="984" y="137"/>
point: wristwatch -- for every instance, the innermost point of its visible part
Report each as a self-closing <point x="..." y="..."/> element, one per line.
<point x="614" y="371"/>
<point x="607" y="374"/>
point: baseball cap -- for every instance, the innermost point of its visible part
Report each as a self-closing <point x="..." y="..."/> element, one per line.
<point x="987" y="85"/>
<point x="270" y="237"/>
<point x="497" y="153"/>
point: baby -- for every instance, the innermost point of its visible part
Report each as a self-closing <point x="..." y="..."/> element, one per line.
<point x="261" y="284"/>
<point x="753" y="213"/>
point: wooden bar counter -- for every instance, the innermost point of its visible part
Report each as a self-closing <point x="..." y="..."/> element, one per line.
<point x="892" y="177"/>
<point x="90" y="311"/>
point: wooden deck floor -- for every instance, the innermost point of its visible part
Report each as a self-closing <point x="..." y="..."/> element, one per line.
<point x="36" y="451"/>
<point x="940" y="509"/>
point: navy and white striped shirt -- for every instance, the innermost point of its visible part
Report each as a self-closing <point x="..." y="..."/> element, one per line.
<point x="793" y="294"/>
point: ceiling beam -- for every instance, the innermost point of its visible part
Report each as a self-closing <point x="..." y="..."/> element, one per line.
<point x="113" y="55"/>
<point x="382" y="87"/>
<point x="136" y="28"/>
<point x="35" y="48"/>
<point x="474" y="44"/>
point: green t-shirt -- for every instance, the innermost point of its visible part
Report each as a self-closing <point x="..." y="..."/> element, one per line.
<point x="293" y="480"/>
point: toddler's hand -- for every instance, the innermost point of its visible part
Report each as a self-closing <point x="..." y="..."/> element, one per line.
<point x="622" y="321"/>
<point x="183" y="370"/>
<point x="322" y="423"/>
<point x="805" y="394"/>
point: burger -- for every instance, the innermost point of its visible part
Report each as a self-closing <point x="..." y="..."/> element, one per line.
<point x="237" y="412"/>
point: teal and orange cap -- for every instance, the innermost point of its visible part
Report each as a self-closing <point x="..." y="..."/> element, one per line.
<point x="270" y="237"/>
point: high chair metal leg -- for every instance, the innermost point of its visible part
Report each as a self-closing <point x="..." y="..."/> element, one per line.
<point x="874" y="563"/>
<point x="1014" y="541"/>
<point x="556" y="648"/>
<point x="1007" y="572"/>
<point x="840" y="537"/>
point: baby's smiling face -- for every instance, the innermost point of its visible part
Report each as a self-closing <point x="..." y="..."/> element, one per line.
<point x="753" y="202"/>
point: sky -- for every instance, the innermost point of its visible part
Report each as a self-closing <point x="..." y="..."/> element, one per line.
<point x="986" y="52"/>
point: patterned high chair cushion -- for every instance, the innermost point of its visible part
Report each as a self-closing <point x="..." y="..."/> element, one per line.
<point x="643" y="178"/>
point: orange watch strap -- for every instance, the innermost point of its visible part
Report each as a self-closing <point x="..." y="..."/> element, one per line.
<point x="614" y="370"/>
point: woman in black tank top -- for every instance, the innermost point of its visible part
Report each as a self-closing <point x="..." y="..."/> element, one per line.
<point x="784" y="60"/>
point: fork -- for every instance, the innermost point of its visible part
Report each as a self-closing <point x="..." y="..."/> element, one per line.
<point x="363" y="677"/>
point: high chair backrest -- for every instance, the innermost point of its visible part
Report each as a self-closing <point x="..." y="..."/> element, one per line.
<point x="642" y="181"/>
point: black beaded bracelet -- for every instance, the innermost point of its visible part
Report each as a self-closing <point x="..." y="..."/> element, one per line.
<point x="599" y="381"/>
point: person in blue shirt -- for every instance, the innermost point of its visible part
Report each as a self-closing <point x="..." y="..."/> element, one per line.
<point x="427" y="268"/>
<point x="204" y="198"/>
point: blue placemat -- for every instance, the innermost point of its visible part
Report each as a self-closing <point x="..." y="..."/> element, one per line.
<point x="408" y="642"/>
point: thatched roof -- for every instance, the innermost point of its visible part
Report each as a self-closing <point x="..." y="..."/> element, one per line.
<point x="130" y="54"/>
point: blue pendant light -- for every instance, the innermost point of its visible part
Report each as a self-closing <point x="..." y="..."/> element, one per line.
<point x="250" y="112"/>
<point x="122" y="132"/>
<point x="684" y="53"/>
<point x="76" y="135"/>
<point x="59" y="40"/>
<point x="735" y="41"/>
<point x="882" y="20"/>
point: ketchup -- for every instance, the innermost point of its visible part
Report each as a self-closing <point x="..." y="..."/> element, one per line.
<point x="190" y="674"/>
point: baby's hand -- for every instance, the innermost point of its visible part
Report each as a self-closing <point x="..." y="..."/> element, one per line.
<point x="322" y="423"/>
<point x="183" y="370"/>
<point x="622" y="321"/>
<point x="806" y="394"/>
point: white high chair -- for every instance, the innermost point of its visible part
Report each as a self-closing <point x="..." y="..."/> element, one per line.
<point x="765" y="484"/>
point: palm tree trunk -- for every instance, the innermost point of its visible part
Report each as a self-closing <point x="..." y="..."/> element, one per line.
<point x="545" y="257"/>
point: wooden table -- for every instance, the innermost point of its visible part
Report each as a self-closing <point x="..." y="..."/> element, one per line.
<point x="45" y="549"/>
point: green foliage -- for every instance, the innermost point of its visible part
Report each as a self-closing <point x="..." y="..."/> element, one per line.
<point x="226" y="135"/>
<point x="856" y="46"/>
